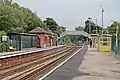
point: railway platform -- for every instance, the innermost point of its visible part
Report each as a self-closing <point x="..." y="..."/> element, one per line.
<point x="26" y="51"/>
<point x="90" y="65"/>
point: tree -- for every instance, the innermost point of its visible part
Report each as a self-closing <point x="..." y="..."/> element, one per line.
<point x="52" y="25"/>
<point x="2" y="33"/>
<point x="14" y="18"/>
<point x="112" y="28"/>
<point x="60" y="29"/>
<point x="66" y="40"/>
<point x="93" y="26"/>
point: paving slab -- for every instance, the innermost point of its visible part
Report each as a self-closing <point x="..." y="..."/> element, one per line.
<point x="99" y="66"/>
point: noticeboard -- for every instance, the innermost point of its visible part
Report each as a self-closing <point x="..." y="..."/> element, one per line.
<point x="4" y="38"/>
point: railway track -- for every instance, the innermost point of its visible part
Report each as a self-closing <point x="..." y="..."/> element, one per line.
<point x="35" y="68"/>
<point x="14" y="67"/>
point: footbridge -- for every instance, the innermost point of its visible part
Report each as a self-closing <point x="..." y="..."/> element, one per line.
<point x="67" y="33"/>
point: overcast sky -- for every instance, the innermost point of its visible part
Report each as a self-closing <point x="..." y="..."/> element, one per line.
<point x="71" y="13"/>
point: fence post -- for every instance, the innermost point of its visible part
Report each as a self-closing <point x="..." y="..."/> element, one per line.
<point x="118" y="46"/>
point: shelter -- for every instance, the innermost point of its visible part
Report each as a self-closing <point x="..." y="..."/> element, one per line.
<point x="22" y="40"/>
<point x="105" y="42"/>
<point x="102" y="42"/>
<point x="44" y="37"/>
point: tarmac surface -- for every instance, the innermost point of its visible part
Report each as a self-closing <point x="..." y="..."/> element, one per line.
<point x="70" y="69"/>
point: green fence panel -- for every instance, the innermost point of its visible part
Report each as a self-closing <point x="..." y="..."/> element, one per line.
<point x="113" y="45"/>
<point x="28" y="41"/>
<point x="119" y="46"/>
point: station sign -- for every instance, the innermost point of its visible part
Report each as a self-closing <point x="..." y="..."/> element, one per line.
<point x="4" y="38"/>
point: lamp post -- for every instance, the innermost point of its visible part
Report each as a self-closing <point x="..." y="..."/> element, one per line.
<point x="96" y="26"/>
<point x="89" y="25"/>
<point x="99" y="33"/>
<point x="102" y="18"/>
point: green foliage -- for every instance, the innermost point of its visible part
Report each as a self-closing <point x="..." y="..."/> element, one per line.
<point x="60" y="29"/>
<point x="17" y="19"/>
<point x="14" y="18"/>
<point x="2" y="33"/>
<point x="67" y="40"/>
<point x="72" y="38"/>
<point x="8" y="2"/>
<point x="113" y="27"/>
<point x="92" y="26"/>
<point x="75" y="39"/>
<point x="52" y="25"/>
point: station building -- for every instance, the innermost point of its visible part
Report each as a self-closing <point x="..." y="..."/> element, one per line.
<point x="44" y="38"/>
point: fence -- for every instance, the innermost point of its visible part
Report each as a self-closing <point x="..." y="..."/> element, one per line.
<point x="113" y="45"/>
<point x="22" y="41"/>
<point x="28" y="41"/>
<point x="0" y="45"/>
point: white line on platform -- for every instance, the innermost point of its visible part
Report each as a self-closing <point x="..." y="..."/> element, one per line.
<point x="81" y="65"/>
<point x="60" y="64"/>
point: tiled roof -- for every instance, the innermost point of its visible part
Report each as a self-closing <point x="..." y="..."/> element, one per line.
<point x="39" y="30"/>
